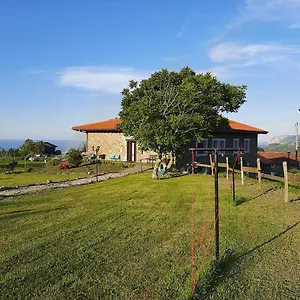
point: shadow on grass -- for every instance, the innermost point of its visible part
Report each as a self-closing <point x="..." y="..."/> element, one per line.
<point x="220" y="270"/>
<point x="18" y="211"/>
<point x="270" y="240"/>
<point x="29" y="212"/>
<point x="239" y="200"/>
<point x="214" y="276"/>
<point x="172" y="175"/>
<point x="264" y="193"/>
<point x="295" y="200"/>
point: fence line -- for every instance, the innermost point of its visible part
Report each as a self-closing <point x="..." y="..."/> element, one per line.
<point x="289" y="179"/>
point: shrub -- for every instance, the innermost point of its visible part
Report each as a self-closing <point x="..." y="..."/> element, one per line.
<point x="12" y="165"/>
<point x="53" y="162"/>
<point x="74" y="157"/>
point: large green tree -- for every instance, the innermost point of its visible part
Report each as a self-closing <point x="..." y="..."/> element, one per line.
<point x="165" y="112"/>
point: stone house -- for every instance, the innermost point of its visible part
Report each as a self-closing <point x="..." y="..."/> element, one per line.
<point x="113" y="142"/>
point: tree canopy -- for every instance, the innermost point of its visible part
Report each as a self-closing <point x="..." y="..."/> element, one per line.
<point x="30" y="147"/>
<point x="170" y="109"/>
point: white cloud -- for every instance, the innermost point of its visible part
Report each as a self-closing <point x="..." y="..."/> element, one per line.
<point x="231" y="52"/>
<point x="272" y="9"/>
<point x="263" y="10"/>
<point x="295" y="26"/>
<point x="221" y="72"/>
<point x="107" y="80"/>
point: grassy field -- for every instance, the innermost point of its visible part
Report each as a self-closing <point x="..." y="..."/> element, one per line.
<point x="55" y="174"/>
<point x="130" y="238"/>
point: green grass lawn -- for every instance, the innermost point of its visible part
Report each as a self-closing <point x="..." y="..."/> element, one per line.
<point x="130" y="238"/>
<point x="41" y="175"/>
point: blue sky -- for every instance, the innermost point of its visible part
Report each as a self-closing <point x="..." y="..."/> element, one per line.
<point x="64" y="62"/>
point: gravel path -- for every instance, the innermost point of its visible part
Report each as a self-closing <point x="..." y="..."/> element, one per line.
<point x="21" y="190"/>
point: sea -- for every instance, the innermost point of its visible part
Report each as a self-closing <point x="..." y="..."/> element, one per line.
<point x="62" y="145"/>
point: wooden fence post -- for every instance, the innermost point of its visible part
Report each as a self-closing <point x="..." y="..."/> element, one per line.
<point x="227" y="168"/>
<point x="242" y="171"/>
<point x="259" y="174"/>
<point x="211" y="164"/>
<point x="286" y="182"/>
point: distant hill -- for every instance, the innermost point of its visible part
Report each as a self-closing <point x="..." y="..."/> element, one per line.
<point x="283" y="139"/>
<point x="282" y="143"/>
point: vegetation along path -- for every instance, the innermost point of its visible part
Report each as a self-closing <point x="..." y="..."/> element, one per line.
<point x="31" y="188"/>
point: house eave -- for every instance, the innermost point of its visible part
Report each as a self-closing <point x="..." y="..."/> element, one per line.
<point x="240" y="131"/>
<point x="96" y="131"/>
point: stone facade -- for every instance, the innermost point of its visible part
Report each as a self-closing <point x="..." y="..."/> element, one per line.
<point x="113" y="143"/>
<point x="117" y="143"/>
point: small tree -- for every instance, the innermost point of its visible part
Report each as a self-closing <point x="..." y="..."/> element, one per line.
<point x="27" y="147"/>
<point x="12" y="152"/>
<point x="165" y="112"/>
<point x="39" y="147"/>
<point x="3" y="152"/>
<point x="74" y="157"/>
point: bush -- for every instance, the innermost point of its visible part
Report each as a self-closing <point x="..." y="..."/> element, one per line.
<point x="74" y="157"/>
<point x="12" y="165"/>
<point x="53" y="162"/>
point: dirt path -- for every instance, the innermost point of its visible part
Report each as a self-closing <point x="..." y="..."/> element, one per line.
<point x="21" y="190"/>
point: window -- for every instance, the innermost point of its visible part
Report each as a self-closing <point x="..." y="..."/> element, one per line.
<point x="219" y="143"/>
<point x="236" y="144"/>
<point x="202" y="144"/>
<point x="247" y="145"/>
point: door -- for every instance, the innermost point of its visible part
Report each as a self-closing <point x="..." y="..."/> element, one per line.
<point x="131" y="150"/>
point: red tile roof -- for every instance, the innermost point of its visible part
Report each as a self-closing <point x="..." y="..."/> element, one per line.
<point x="104" y="126"/>
<point x="276" y="157"/>
<point x="110" y="126"/>
<point x="237" y="126"/>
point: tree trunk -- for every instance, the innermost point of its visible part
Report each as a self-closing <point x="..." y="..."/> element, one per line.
<point x="170" y="162"/>
<point x="155" y="169"/>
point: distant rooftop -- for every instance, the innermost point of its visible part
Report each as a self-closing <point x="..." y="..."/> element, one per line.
<point x="276" y="157"/>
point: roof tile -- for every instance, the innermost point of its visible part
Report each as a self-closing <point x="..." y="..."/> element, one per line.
<point x="110" y="126"/>
<point x="104" y="126"/>
<point x="276" y="157"/>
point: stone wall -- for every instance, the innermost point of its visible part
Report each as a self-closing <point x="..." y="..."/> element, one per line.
<point x="109" y="142"/>
<point x="112" y="143"/>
